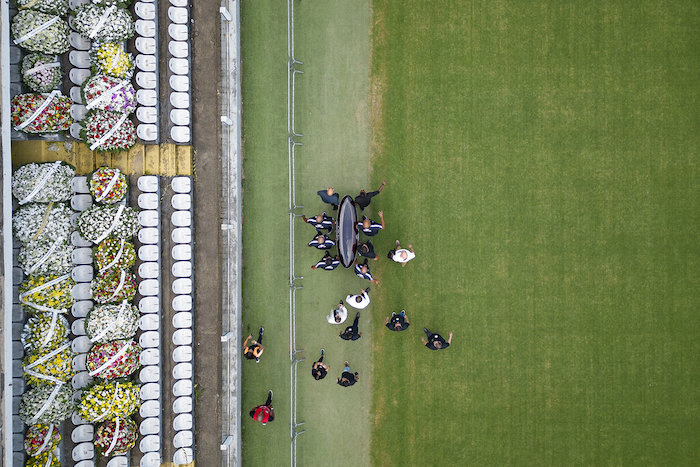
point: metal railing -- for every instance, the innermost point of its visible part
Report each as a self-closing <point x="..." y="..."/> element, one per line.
<point x="231" y="170"/>
<point x="292" y="143"/>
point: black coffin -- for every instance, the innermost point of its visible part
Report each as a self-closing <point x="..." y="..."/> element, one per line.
<point x="347" y="231"/>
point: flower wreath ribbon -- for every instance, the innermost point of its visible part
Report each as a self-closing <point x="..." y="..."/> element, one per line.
<point x="52" y="328"/>
<point x="47" y="356"/>
<point x="40" y="288"/>
<point x="36" y="30"/>
<point x="116" y="259"/>
<point x="112" y="359"/>
<point x="111" y="404"/>
<point x="44" y="221"/>
<point x="49" y="458"/>
<point x="106" y="94"/>
<point x="113" y="444"/>
<point x="117" y="172"/>
<point x="42" y="181"/>
<point x="101" y="22"/>
<point x="28" y="5"/>
<point x="48" y="254"/>
<point x="42" y="376"/>
<point x="120" y="286"/>
<point x="109" y="133"/>
<point x="112" y="324"/>
<point x="38" y="111"/>
<point x="47" y="404"/>
<point x="47" y="438"/>
<point x="43" y="67"/>
<point x="106" y="233"/>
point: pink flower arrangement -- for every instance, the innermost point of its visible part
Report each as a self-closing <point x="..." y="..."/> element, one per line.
<point x="125" y="432"/>
<point x="113" y="286"/>
<point x="53" y="118"/>
<point x="104" y="130"/>
<point x="101" y="179"/>
<point x="36" y="442"/>
<point x="124" y="361"/>
<point x="120" y="94"/>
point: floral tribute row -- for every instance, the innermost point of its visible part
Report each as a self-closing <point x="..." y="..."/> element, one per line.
<point x="42" y="31"/>
<point x="44" y="222"/>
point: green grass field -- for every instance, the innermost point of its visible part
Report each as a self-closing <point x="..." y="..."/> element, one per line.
<point x="552" y="152"/>
<point x="542" y="159"/>
<point x="265" y="252"/>
<point x="332" y="102"/>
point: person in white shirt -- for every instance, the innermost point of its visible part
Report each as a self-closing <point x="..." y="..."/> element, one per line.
<point x="401" y="255"/>
<point x="359" y="301"/>
<point x="338" y="315"/>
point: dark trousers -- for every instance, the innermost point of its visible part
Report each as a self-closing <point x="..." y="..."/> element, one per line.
<point x="260" y="335"/>
<point x="356" y="322"/>
<point x="428" y="333"/>
<point x="268" y="402"/>
<point x="320" y="359"/>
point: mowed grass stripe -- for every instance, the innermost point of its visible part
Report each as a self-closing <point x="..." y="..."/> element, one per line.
<point x="332" y="114"/>
<point x="332" y="39"/>
<point x="265" y="227"/>
<point x="542" y="158"/>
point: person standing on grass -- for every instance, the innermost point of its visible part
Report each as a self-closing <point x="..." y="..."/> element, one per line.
<point x="401" y="255"/>
<point x="329" y="196"/>
<point x="327" y="263"/>
<point x="366" y="249"/>
<point x="338" y="315"/>
<point x="362" y="271"/>
<point x="255" y="349"/>
<point x="347" y="379"/>
<point x="370" y="228"/>
<point x="352" y="333"/>
<point x="364" y="198"/>
<point x="435" y="341"/>
<point x="397" y="322"/>
<point x="320" y="221"/>
<point x="359" y="301"/>
<point x="319" y="370"/>
<point x="264" y="413"/>
<point x="322" y="242"/>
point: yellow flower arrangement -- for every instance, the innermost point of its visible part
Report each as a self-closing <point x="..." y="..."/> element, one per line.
<point x="59" y="366"/>
<point x="36" y="296"/>
<point x="107" y="401"/>
<point x="111" y="59"/>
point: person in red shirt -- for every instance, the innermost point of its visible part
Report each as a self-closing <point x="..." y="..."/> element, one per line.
<point x="264" y="413"/>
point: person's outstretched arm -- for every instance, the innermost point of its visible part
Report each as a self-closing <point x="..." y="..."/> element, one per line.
<point x="449" y="339"/>
<point x="381" y="187"/>
<point x="245" y="344"/>
<point x="381" y="218"/>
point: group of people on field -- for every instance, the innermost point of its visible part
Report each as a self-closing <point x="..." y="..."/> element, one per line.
<point x="324" y="225"/>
